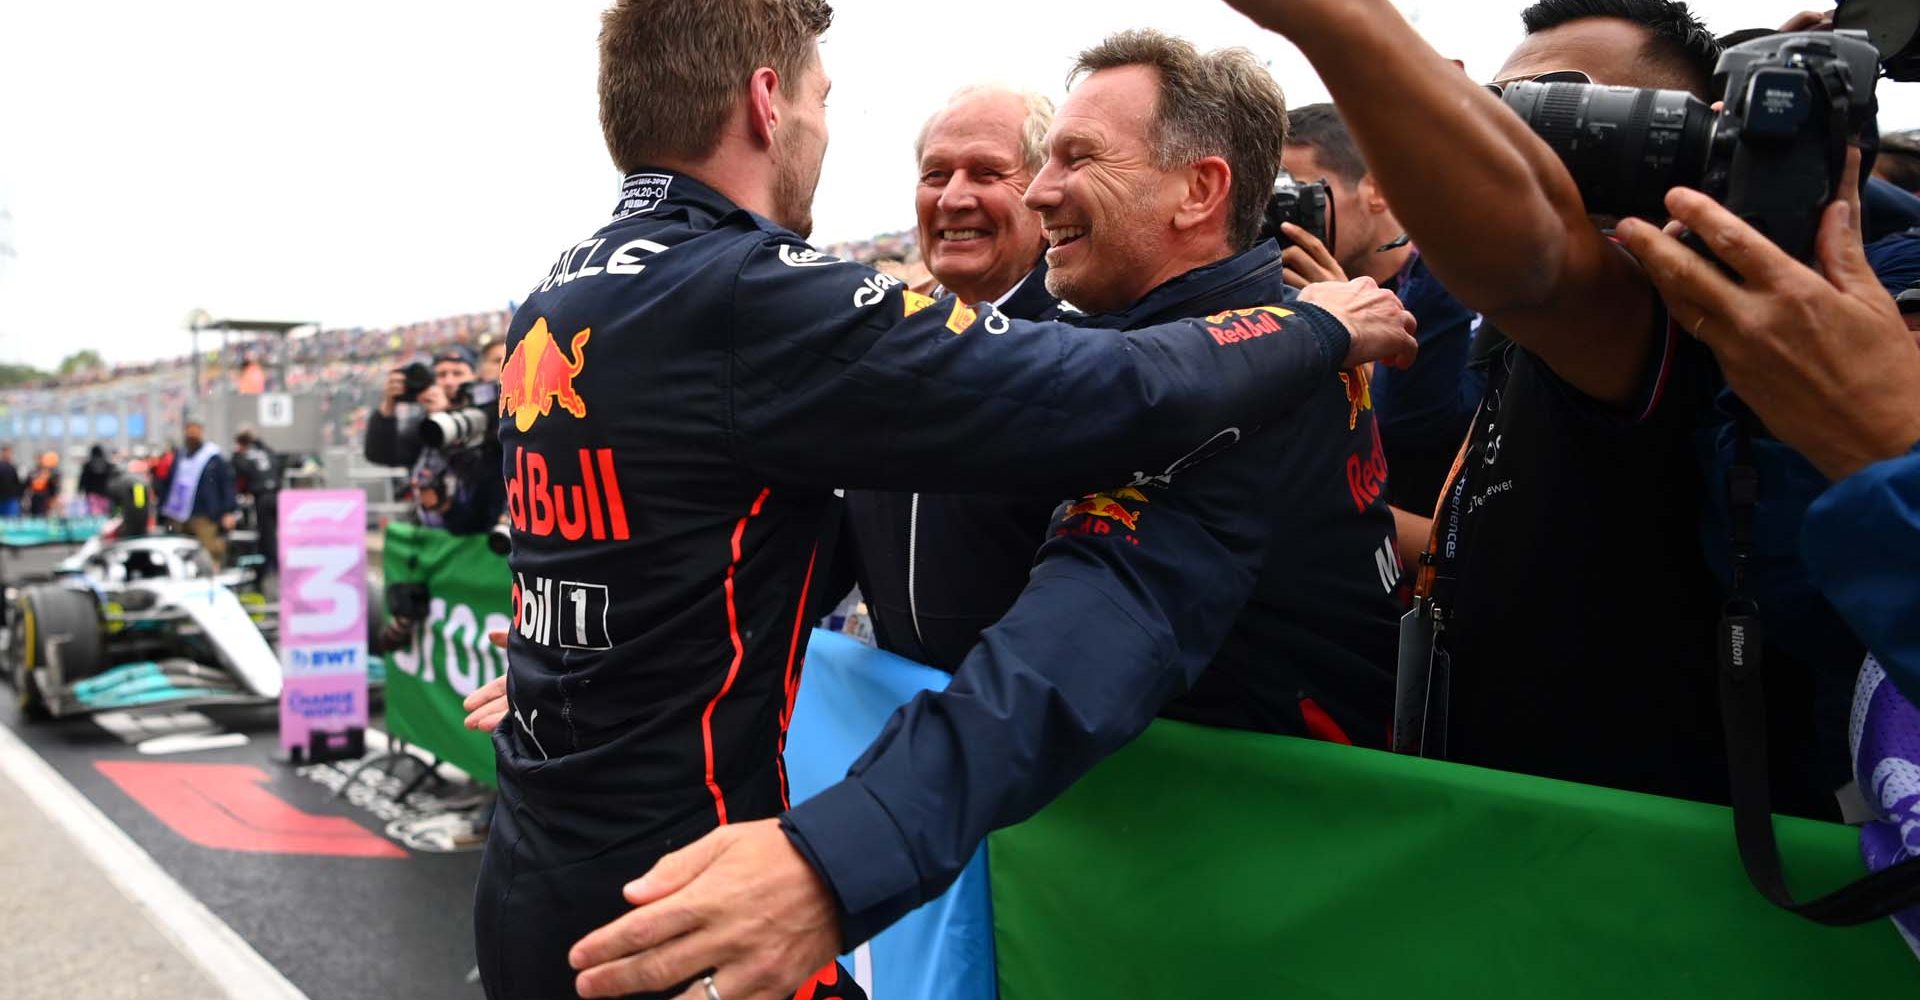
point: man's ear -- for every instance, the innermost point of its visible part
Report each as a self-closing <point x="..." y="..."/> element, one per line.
<point x="763" y="114"/>
<point x="1209" y="182"/>
<point x="1370" y="196"/>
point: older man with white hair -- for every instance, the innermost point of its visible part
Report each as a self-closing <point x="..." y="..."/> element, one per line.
<point x="937" y="569"/>
<point x="975" y="158"/>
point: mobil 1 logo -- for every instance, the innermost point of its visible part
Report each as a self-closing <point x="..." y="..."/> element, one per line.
<point x="560" y="612"/>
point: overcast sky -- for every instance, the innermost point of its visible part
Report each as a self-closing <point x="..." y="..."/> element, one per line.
<point x="363" y="163"/>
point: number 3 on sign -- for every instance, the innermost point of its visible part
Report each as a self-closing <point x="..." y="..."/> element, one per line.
<point x="327" y="602"/>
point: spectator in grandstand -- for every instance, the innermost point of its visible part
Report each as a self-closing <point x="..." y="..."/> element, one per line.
<point x="94" y="476"/>
<point x="936" y="569"/>
<point x="198" y="491"/>
<point x="1423" y="411"/>
<point x="251" y="378"/>
<point x="10" y="484"/>
<point x="256" y="475"/>
<point x="42" y="495"/>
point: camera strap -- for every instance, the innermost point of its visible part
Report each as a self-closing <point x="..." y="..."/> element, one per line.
<point x="1743" y="710"/>
<point x="1423" y="676"/>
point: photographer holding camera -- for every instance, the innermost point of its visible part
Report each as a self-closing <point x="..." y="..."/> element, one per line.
<point x="456" y="481"/>
<point x="1834" y="372"/>
<point x="1592" y="662"/>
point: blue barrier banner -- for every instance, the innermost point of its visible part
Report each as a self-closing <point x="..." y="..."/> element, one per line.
<point x="944" y="950"/>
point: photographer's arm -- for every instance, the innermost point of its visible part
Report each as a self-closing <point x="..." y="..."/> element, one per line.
<point x="1494" y="211"/>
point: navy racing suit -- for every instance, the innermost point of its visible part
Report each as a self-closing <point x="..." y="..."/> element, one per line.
<point x="1243" y="586"/>
<point x="681" y="396"/>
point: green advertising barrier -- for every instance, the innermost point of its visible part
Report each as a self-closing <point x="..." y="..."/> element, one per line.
<point x="450" y="656"/>
<point x="1201" y="862"/>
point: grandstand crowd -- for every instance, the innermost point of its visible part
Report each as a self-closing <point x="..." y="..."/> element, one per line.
<point x="346" y="366"/>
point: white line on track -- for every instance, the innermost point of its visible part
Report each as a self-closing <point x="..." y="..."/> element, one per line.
<point x="226" y="958"/>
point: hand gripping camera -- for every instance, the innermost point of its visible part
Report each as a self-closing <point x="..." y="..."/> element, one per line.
<point x="1772" y="155"/>
<point x="1309" y="206"/>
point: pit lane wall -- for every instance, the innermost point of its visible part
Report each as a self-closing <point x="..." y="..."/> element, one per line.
<point x="450" y="656"/>
<point x="1205" y="862"/>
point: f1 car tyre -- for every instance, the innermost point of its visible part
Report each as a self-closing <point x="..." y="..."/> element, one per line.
<point x="49" y="618"/>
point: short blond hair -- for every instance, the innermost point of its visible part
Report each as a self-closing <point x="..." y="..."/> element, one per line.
<point x="1033" y="129"/>
<point x="670" y="70"/>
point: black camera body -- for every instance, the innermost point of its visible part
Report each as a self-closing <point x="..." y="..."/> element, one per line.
<point x="1773" y="154"/>
<point x="469" y="423"/>
<point x="417" y="377"/>
<point x="1893" y="26"/>
<point x="1309" y="206"/>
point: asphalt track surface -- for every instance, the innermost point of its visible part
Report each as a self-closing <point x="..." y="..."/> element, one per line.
<point x="309" y="880"/>
<point x="335" y="926"/>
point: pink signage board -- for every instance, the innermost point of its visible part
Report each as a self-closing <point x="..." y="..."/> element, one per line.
<point x="323" y="622"/>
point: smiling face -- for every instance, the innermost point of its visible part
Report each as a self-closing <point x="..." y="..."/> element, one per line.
<point x="1106" y="208"/>
<point x="977" y="236"/>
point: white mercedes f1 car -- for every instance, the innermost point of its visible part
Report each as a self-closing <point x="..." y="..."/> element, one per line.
<point x="141" y="623"/>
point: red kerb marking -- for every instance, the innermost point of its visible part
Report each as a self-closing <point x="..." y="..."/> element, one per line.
<point x="228" y="807"/>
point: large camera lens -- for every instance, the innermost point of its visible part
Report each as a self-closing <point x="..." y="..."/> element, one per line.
<point x="1625" y="146"/>
<point x="455" y="429"/>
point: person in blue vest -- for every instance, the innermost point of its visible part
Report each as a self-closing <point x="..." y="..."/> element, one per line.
<point x="198" y="492"/>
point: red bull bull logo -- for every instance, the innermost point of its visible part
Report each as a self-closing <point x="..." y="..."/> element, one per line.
<point x="1359" y="394"/>
<point x="538" y="374"/>
<point x="1109" y="506"/>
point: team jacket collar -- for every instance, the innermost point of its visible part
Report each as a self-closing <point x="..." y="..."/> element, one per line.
<point x="1204" y="289"/>
<point x="649" y="191"/>
<point x="1030" y="299"/>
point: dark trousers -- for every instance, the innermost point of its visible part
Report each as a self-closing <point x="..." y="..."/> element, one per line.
<point x="266" y="515"/>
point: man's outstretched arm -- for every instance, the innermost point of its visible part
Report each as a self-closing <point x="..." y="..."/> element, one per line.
<point x="1127" y="605"/>
<point x="1493" y="209"/>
